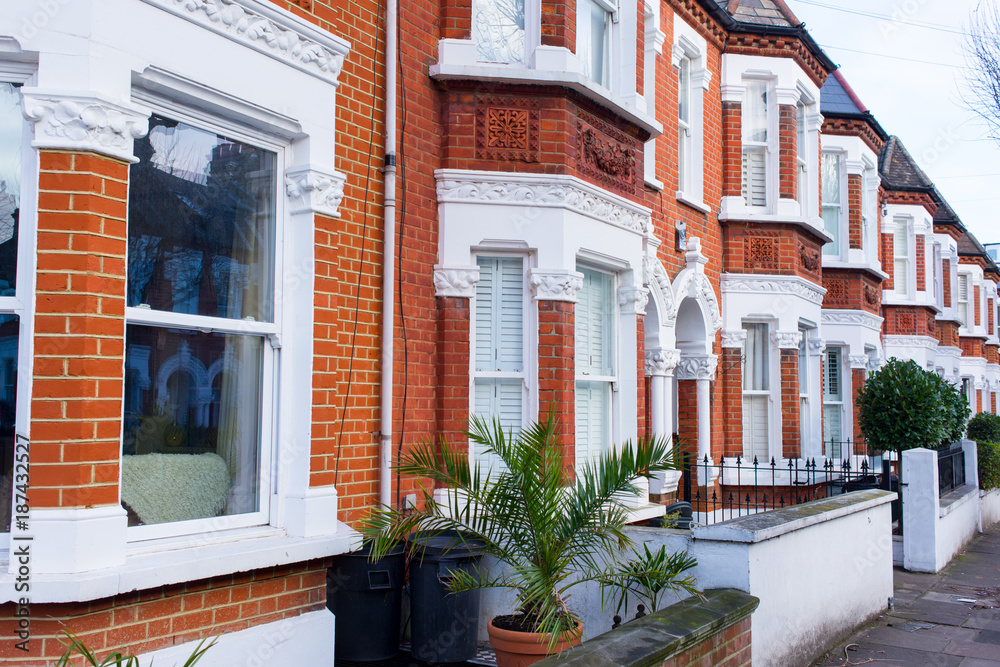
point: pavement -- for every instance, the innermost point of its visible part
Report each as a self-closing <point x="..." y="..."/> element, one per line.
<point x="948" y="619"/>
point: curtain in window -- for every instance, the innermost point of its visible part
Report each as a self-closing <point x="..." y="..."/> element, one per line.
<point x="755" y="370"/>
<point x="831" y="183"/>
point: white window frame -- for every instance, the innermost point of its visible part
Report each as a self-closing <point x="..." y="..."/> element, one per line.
<point x="529" y="346"/>
<point x="22" y="303"/>
<point x="831" y="401"/>
<point x="766" y="147"/>
<point x="802" y="157"/>
<point x="607" y="78"/>
<point x="690" y="46"/>
<point x="772" y="363"/>
<point x="938" y="268"/>
<point x="843" y="233"/>
<point x="612" y="337"/>
<point x="904" y="224"/>
<point x="805" y="388"/>
<point x="869" y="216"/>
<point x="270" y="332"/>
<point x="532" y="33"/>
<point x="964" y="306"/>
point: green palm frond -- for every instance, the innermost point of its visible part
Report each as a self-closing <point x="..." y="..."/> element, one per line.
<point x="551" y="531"/>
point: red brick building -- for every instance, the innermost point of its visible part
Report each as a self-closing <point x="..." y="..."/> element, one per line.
<point x="657" y="217"/>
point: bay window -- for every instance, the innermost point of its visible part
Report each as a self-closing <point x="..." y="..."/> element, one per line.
<point x="832" y="186"/>
<point x="595" y="364"/>
<point x="756" y="151"/>
<point x="499" y="33"/>
<point x="201" y="332"/>
<point x="833" y="402"/>
<point x="12" y="139"/>
<point x="498" y="364"/>
<point x="593" y="38"/>
<point x="756" y="392"/>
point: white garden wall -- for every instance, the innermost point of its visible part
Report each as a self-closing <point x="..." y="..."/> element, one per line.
<point x="989" y="502"/>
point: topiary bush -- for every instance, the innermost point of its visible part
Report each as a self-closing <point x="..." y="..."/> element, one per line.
<point x="988" y="454"/>
<point x="984" y="427"/>
<point x="903" y="406"/>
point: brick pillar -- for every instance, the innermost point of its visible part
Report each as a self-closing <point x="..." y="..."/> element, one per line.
<point x="557" y="371"/>
<point x="731" y="370"/>
<point x="732" y="149"/>
<point x="791" y="433"/>
<point x="687" y="417"/>
<point x="456" y="19"/>
<point x="887" y="250"/>
<point x="642" y="411"/>
<point x="979" y="400"/>
<point x="788" y="169"/>
<point x="454" y="321"/>
<point x="78" y="374"/>
<point x="993" y="402"/>
<point x="946" y="275"/>
<point x="858" y="377"/>
<point x="921" y="264"/>
<point x="855" y="227"/>
<point x="559" y="24"/>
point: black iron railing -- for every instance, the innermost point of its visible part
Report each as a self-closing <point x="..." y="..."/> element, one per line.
<point x="735" y="487"/>
<point x="951" y="469"/>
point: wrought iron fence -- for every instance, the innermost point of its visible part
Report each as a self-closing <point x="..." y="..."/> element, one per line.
<point x="750" y="487"/>
<point x="951" y="469"/>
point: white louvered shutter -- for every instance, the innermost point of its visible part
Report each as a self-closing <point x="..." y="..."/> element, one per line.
<point x="755" y="176"/>
<point x="594" y="367"/>
<point x="901" y="252"/>
<point x="755" y="428"/>
<point x="963" y="299"/>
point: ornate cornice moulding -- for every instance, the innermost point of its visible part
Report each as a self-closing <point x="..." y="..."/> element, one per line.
<point x="266" y="28"/>
<point x="791" y="286"/>
<point x="85" y="122"/>
<point x="852" y="317"/>
<point x="457" y="281"/>
<point x="697" y="368"/>
<point x="545" y="191"/>
<point x="311" y="188"/>
<point x="555" y="285"/>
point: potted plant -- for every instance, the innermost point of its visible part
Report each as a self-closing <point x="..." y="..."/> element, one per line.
<point x="548" y="529"/>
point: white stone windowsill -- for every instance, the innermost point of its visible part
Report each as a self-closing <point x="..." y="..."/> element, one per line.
<point x="163" y="562"/>
<point x="692" y="202"/>
<point x="872" y="267"/>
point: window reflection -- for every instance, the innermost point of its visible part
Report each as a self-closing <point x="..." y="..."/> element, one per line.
<point x="11" y="125"/>
<point x="8" y="404"/>
<point x="500" y="30"/>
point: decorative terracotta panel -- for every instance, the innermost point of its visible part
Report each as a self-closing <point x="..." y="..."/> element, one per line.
<point x="507" y="128"/>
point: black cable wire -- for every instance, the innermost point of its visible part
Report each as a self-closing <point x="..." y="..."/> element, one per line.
<point x="361" y="262"/>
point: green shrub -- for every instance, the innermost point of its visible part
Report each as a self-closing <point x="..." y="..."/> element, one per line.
<point x="903" y="406"/>
<point x="988" y="454"/>
<point x="984" y="427"/>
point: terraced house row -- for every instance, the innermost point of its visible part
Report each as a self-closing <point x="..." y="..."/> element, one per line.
<point x="251" y="250"/>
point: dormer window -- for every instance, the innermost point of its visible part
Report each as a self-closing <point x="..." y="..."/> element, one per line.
<point x="499" y="30"/>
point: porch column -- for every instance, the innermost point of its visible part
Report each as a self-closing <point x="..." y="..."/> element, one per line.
<point x="660" y="364"/>
<point x="787" y="343"/>
<point x="701" y="369"/>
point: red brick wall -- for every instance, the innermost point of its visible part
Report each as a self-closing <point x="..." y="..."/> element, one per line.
<point x="855" y="228"/>
<point x="145" y="621"/>
<point x="687" y="417"/>
<point x="787" y="156"/>
<point x="76" y="402"/>
<point x="921" y="265"/>
<point x="947" y="333"/>
<point x="731" y="373"/>
<point x="992" y="354"/>
<point x="977" y="300"/>
<point x="790" y="425"/>
<point x="858" y="377"/>
<point x="909" y="321"/>
<point x="557" y="370"/>
<point x="775" y="250"/>
<point x="559" y="24"/>
<point x="852" y="289"/>
<point x="972" y="347"/>
<point x="731" y="648"/>
<point x="946" y="271"/>
<point x="454" y="322"/>
<point x="732" y="149"/>
<point x="640" y="376"/>
<point x="887" y="257"/>
<point x="456" y="19"/>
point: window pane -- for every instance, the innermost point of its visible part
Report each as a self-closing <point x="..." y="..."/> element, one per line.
<point x="11" y="125"/>
<point x="201" y="224"/>
<point x="755" y="112"/>
<point x="755" y="371"/>
<point x="593" y="40"/>
<point x="831" y="178"/>
<point x="500" y="30"/>
<point x="191" y="439"/>
<point x="8" y="404"/>
<point x="684" y="91"/>
<point x="800" y="131"/>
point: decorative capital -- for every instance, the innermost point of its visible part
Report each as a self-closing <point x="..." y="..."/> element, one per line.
<point x="555" y="285"/>
<point x="90" y="122"/>
<point x="662" y="362"/>
<point x="859" y="361"/>
<point x="457" y="281"/>
<point x="735" y="338"/>
<point x="311" y="188"/>
<point x="787" y="340"/>
<point x="633" y="300"/>
<point x="816" y="345"/>
<point x="697" y="368"/>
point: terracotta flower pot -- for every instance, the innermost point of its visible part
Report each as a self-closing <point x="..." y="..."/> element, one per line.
<point x="520" y="649"/>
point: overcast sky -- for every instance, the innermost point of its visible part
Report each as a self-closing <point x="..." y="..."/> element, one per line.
<point x="919" y="102"/>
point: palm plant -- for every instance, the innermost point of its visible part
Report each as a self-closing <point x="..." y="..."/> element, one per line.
<point x="550" y="531"/>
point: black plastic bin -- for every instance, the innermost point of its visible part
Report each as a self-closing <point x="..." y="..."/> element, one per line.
<point x="365" y="599"/>
<point x="444" y="625"/>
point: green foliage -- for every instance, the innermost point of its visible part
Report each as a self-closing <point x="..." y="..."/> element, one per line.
<point x="984" y="427"/>
<point x="988" y="454"/>
<point x="903" y="406"/>
<point x="76" y="645"/>
<point x="551" y="532"/>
